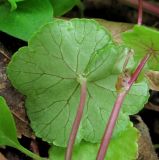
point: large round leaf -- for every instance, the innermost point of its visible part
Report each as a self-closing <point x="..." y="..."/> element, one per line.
<point x="49" y="72"/>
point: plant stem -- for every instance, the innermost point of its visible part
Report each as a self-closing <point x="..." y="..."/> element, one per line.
<point x="147" y="6"/>
<point x="139" y="20"/>
<point x="29" y="153"/>
<point x="77" y="121"/>
<point x="81" y="7"/>
<point x="116" y="109"/>
<point x="110" y="126"/>
<point x="139" y="69"/>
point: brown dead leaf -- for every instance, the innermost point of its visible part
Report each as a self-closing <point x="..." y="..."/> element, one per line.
<point x="116" y="28"/>
<point x="122" y="81"/>
<point x="153" y="79"/>
<point x="14" y="100"/>
<point x="2" y="157"/>
<point x="151" y="106"/>
<point x="146" y="148"/>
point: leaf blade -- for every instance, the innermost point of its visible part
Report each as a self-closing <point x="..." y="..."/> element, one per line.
<point x="29" y="16"/>
<point x="60" y="7"/>
<point x="47" y="72"/>
<point x="143" y="40"/>
<point x="7" y="126"/>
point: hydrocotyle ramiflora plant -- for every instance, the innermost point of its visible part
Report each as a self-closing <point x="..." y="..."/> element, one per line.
<point x="146" y="46"/>
<point x="21" y="18"/>
<point x="8" y="133"/>
<point x="144" y="41"/>
<point x="60" y="7"/>
<point x="13" y="4"/>
<point x="63" y="58"/>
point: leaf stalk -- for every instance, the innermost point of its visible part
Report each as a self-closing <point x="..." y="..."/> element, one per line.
<point x="29" y="153"/>
<point x="77" y="121"/>
<point x="116" y="109"/>
<point x="151" y="8"/>
<point x="139" y="13"/>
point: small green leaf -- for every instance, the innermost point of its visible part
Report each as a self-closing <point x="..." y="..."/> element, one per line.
<point x="29" y="16"/>
<point x="8" y="133"/>
<point x="144" y="40"/>
<point x="47" y="72"/>
<point x="122" y="147"/>
<point x="14" y="4"/>
<point x="62" y="6"/>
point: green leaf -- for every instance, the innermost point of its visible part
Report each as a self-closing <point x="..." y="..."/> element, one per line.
<point x="8" y="134"/>
<point x="47" y="72"/>
<point x="62" y="6"/>
<point x="13" y="4"/>
<point x="26" y="19"/>
<point x="144" y="40"/>
<point x="122" y="147"/>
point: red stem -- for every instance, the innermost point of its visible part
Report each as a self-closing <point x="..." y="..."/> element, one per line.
<point x="116" y="109"/>
<point x="147" y="6"/>
<point x="139" y="21"/>
<point x="76" y="122"/>
<point x="139" y="69"/>
<point x="110" y="126"/>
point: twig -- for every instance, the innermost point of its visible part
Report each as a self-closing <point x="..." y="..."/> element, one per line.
<point x="5" y="55"/>
<point x="20" y="118"/>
